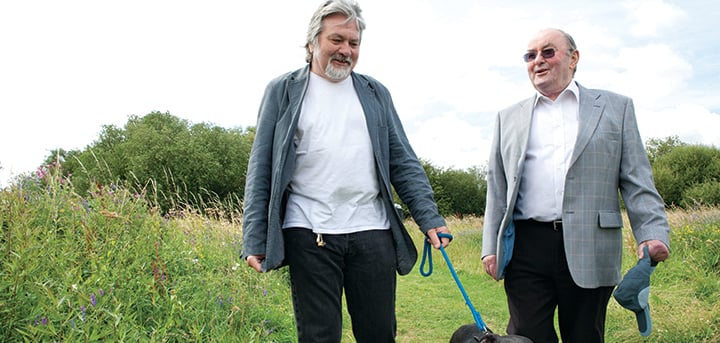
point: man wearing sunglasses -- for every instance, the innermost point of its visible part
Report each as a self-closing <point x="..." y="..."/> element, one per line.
<point x="553" y="223"/>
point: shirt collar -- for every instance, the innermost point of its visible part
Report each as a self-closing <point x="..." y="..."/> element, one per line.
<point x="572" y="88"/>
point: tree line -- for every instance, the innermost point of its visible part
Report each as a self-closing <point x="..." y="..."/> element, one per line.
<point x="183" y="164"/>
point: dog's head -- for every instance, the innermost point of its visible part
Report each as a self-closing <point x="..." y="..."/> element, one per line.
<point x="470" y="333"/>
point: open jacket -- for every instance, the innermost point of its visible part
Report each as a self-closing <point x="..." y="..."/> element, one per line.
<point x="608" y="156"/>
<point x="272" y="162"/>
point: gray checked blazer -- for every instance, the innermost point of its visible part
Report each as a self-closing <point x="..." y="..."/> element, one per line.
<point x="609" y="159"/>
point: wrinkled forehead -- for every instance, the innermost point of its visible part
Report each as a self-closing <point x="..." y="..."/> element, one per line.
<point x="547" y="39"/>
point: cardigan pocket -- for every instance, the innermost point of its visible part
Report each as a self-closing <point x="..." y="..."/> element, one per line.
<point x="610" y="220"/>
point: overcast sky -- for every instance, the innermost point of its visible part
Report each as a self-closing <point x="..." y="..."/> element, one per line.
<point x="69" y="67"/>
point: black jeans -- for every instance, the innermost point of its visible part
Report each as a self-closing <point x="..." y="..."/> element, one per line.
<point x="362" y="264"/>
<point x="538" y="281"/>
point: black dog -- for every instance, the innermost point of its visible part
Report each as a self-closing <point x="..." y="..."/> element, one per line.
<point x="470" y="333"/>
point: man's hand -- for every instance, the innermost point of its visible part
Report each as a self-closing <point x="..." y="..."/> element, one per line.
<point x="437" y="241"/>
<point x="490" y="264"/>
<point x="254" y="261"/>
<point x="658" y="250"/>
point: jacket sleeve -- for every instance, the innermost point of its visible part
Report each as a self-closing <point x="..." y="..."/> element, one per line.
<point x="259" y="174"/>
<point x="496" y="196"/>
<point x="645" y="207"/>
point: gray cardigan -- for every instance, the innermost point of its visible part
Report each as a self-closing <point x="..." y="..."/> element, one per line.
<point x="272" y="161"/>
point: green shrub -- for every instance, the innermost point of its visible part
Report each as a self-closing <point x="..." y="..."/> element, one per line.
<point x="705" y="193"/>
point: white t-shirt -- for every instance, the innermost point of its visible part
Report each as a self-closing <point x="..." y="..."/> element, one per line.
<point x="334" y="188"/>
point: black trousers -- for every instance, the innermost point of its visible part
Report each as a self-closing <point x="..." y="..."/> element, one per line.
<point x="362" y="264"/>
<point x="538" y="282"/>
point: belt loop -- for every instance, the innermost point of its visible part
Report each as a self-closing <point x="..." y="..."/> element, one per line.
<point x="557" y="225"/>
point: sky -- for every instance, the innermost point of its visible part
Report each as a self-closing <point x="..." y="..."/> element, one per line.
<point x="67" y="68"/>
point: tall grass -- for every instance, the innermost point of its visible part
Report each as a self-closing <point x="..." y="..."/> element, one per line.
<point x="105" y="266"/>
<point x="108" y="266"/>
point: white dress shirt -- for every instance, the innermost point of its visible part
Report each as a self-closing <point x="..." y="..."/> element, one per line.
<point x="553" y="133"/>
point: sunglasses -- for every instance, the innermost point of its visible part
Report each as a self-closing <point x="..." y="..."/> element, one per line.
<point x="545" y="53"/>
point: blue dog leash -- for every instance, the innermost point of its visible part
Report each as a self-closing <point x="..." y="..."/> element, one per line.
<point x="427" y="254"/>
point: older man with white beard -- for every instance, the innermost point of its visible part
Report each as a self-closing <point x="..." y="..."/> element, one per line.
<point x="328" y="148"/>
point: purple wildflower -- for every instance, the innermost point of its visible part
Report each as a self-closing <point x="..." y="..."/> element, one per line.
<point x="82" y="312"/>
<point x="101" y="292"/>
<point x="44" y="321"/>
<point x="264" y="292"/>
<point x="92" y="299"/>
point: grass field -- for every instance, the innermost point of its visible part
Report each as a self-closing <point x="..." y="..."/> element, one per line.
<point x="105" y="266"/>
<point x="684" y="299"/>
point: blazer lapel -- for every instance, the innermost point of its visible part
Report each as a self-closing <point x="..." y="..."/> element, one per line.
<point x="520" y="130"/>
<point x="296" y="90"/>
<point x="371" y="107"/>
<point x="591" y="109"/>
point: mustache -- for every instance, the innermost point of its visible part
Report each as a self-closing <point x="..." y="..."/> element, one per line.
<point x="341" y="58"/>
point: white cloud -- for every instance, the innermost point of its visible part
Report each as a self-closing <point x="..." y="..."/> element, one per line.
<point x="651" y="74"/>
<point x="650" y="16"/>
<point x="691" y="123"/>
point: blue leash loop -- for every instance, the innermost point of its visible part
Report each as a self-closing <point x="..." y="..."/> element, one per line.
<point x="427" y="255"/>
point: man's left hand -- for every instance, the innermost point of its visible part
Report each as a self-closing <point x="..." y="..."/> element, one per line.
<point x="658" y="250"/>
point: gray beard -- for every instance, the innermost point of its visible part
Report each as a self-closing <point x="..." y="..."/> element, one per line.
<point x="337" y="73"/>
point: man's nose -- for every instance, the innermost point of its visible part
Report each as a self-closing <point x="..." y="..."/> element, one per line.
<point x="345" y="49"/>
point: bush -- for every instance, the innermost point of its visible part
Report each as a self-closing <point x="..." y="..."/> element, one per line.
<point x="681" y="175"/>
<point x="706" y="193"/>
<point x="181" y="163"/>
